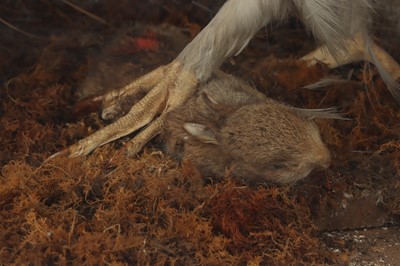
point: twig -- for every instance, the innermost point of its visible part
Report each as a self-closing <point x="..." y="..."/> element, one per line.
<point x="20" y="31"/>
<point x="87" y="13"/>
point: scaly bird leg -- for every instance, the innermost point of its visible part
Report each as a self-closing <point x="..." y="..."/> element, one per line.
<point x="358" y="50"/>
<point x="113" y="99"/>
<point x="171" y="86"/>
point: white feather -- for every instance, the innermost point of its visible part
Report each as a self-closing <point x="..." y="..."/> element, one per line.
<point x="325" y="82"/>
<point x="332" y="22"/>
<point x="229" y="32"/>
<point x="391" y="84"/>
<point x="325" y="113"/>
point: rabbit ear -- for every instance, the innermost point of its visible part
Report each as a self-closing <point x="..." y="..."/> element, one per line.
<point x="201" y="132"/>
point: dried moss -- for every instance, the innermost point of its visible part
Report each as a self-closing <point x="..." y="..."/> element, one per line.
<point x="110" y="209"/>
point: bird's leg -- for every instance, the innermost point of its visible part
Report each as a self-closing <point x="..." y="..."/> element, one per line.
<point x="111" y="106"/>
<point x="167" y="87"/>
<point x="357" y="50"/>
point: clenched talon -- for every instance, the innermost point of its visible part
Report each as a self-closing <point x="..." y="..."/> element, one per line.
<point x="113" y="101"/>
<point x="167" y="87"/>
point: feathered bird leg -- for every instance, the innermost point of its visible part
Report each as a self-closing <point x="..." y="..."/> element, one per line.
<point x="360" y="49"/>
<point x="170" y="86"/>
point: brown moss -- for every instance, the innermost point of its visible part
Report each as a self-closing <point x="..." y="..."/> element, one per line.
<point x="110" y="209"/>
<point x="268" y="224"/>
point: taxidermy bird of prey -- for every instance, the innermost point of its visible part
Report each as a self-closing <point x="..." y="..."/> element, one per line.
<point x="340" y="26"/>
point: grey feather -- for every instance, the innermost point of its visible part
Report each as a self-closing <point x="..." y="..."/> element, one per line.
<point x="392" y="85"/>
<point x="229" y="32"/>
<point x="324" y="113"/>
<point x="322" y="83"/>
<point x="332" y="22"/>
<point x="238" y="21"/>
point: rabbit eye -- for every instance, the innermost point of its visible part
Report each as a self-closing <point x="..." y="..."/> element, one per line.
<point x="277" y="166"/>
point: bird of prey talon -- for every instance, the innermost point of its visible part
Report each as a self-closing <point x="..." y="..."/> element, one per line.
<point x="340" y="25"/>
<point x="166" y="87"/>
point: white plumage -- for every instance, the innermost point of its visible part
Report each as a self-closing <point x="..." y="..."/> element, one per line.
<point x="332" y="22"/>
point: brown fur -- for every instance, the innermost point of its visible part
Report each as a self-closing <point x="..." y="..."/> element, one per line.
<point x="257" y="138"/>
